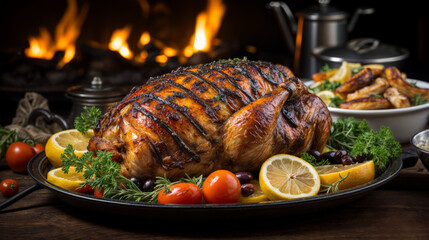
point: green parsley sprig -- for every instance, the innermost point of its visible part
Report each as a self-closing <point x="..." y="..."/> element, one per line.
<point x="87" y="119"/>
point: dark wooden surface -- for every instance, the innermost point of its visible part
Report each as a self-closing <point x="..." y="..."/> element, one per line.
<point x="397" y="210"/>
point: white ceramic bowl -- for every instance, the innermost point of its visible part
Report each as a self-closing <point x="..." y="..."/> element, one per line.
<point x="403" y="122"/>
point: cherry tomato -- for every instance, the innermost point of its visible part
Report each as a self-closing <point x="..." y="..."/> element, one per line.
<point x="86" y="189"/>
<point x="98" y="192"/>
<point x="221" y="186"/>
<point x="181" y="193"/>
<point x="38" y="147"/>
<point x="18" y="155"/>
<point x="9" y="187"/>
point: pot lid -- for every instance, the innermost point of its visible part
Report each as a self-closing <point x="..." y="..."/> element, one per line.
<point x="363" y="50"/>
<point x="95" y="92"/>
<point x="323" y="12"/>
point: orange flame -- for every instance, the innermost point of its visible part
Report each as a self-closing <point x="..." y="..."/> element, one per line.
<point x="206" y="28"/>
<point x="118" y="42"/>
<point x="66" y="33"/>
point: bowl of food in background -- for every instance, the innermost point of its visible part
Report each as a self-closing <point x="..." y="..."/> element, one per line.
<point x="383" y="96"/>
<point x="420" y="142"/>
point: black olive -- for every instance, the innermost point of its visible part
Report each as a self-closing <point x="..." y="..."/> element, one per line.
<point x="315" y="154"/>
<point x="339" y="154"/>
<point x="360" y="158"/>
<point x="244" y="177"/>
<point x="247" y="189"/>
<point x="148" y="185"/>
<point x="330" y="156"/>
<point x="347" y="160"/>
<point x="137" y="182"/>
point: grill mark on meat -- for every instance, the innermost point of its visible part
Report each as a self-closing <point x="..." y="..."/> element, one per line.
<point x="173" y="134"/>
<point x="181" y="109"/>
<point x="254" y="85"/>
<point x="259" y="70"/>
<point x="209" y="111"/>
<point x="236" y="85"/>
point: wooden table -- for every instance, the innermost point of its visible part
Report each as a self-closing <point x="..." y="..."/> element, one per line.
<point x="397" y="210"/>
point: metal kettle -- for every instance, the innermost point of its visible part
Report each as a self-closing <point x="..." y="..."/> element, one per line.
<point x="319" y="25"/>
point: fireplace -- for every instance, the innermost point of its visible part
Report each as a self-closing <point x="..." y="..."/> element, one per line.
<point x="49" y="45"/>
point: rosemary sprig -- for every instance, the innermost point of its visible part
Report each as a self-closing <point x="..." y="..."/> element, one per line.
<point x="333" y="187"/>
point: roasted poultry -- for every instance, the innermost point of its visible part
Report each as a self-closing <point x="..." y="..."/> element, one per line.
<point x="229" y="114"/>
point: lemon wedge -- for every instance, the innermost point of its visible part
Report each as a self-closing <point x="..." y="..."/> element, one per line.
<point x="343" y="74"/>
<point x="358" y="174"/>
<point x="70" y="181"/>
<point x="326" y="96"/>
<point x="256" y="197"/>
<point x="286" y="176"/>
<point x="59" y="141"/>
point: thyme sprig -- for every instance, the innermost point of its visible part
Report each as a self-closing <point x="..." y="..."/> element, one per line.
<point x="333" y="187"/>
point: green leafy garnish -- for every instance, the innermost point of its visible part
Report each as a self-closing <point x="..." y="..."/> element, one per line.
<point x="344" y="133"/>
<point x="103" y="173"/>
<point x="418" y="100"/>
<point x="357" y="138"/>
<point x="379" y="146"/>
<point x="356" y="70"/>
<point x="333" y="187"/>
<point x="87" y="119"/>
<point x="325" y="68"/>
<point x="336" y="101"/>
<point x="313" y="161"/>
<point x="327" y="85"/>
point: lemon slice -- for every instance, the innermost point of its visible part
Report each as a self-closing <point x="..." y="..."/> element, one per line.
<point x="256" y="197"/>
<point x="343" y="74"/>
<point x="70" y="181"/>
<point x="326" y="96"/>
<point x="285" y="176"/>
<point x="59" y="141"/>
<point x="358" y="174"/>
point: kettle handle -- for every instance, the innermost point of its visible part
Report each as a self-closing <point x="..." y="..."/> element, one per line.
<point x="359" y="11"/>
<point x="288" y="25"/>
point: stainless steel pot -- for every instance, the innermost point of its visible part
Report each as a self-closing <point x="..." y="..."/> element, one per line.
<point x="364" y="51"/>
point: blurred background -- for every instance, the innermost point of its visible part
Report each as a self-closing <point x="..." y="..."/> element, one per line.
<point x="50" y="45"/>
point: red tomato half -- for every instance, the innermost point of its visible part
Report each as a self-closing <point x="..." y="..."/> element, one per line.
<point x="86" y="189"/>
<point x="181" y="193"/>
<point x="98" y="192"/>
<point x="18" y="155"/>
<point x="221" y="186"/>
<point x="9" y="187"/>
<point x="38" y="147"/>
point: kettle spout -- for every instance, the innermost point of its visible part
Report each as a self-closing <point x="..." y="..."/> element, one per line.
<point x="358" y="12"/>
<point x="286" y="21"/>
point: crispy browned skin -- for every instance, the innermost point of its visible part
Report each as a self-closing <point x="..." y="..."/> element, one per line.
<point x="396" y="99"/>
<point x="377" y="87"/>
<point x="395" y="79"/>
<point x="225" y="115"/>
<point x="359" y="80"/>
<point x="370" y="103"/>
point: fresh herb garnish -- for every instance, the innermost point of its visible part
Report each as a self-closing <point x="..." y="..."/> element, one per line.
<point x="231" y="61"/>
<point x="313" y="161"/>
<point x="336" y="101"/>
<point x="345" y="131"/>
<point x="87" y="119"/>
<point x="357" y="138"/>
<point x="379" y="146"/>
<point x="356" y="70"/>
<point x="333" y="187"/>
<point x="103" y="173"/>
<point x="418" y="100"/>
<point x="327" y="85"/>
<point x="325" y="68"/>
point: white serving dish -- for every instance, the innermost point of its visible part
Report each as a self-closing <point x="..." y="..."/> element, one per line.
<point x="403" y="122"/>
